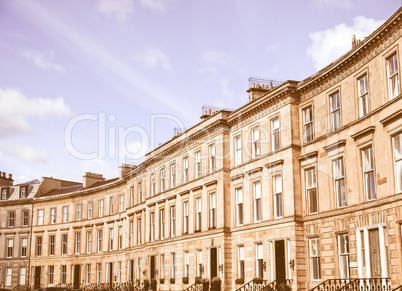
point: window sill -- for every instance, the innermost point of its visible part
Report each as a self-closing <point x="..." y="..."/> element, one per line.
<point x="212" y="227"/>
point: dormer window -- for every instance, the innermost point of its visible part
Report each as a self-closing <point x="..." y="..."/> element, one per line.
<point x="23" y="191"/>
<point x="4" y="193"/>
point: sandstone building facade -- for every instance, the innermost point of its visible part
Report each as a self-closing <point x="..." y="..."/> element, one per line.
<point x="302" y="183"/>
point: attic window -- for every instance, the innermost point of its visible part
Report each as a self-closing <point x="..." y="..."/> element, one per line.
<point x="23" y="191"/>
<point x="4" y="193"/>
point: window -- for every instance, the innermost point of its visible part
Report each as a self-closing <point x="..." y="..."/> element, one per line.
<point x="315" y="264"/>
<point x="259" y="261"/>
<point x="185" y="170"/>
<point x="52" y="240"/>
<point x="98" y="273"/>
<point x="240" y="262"/>
<point x="335" y="106"/>
<point x="25" y="218"/>
<point x="110" y="239"/>
<point x="162" y="177"/>
<point x="51" y="275"/>
<point x="212" y="210"/>
<point x="23" y="275"/>
<point x="275" y="134"/>
<point x="173" y="266"/>
<point x="38" y="246"/>
<point x="198" y="214"/>
<point x="138" y="231"/>
<point x="311" y="188"/>
<point x="4" y="193"/>
<point x="40" y="217"/>
<point x="24" y="244"/>
<point x="77" y="243"/>
<point x="131" y="196"/>
<point x="198" y="165"/>
<point x="131" y="233"/>
<point x="393" y="76"/>
<point x="64" y="244"/>
<point x="120" y="240"/>
<point x="212" y="160"/>
<point x="65" y="213"/>
<point x="397" y="145"/>
<point x="172" y="175"/>
<point x="239" y="206"/>
<point x="308" y="124"/>
<point x="23" y="194"/>
<point x="152" y="228"/>
<point x="119" y="272"/>
<point x="52" y="215"/>
<point x="78" y="214"/>
<point x="63" y="279"/>
<point x="186" y="264"/>
<point x="99" y="241"/>
<point x="257" y="201"/>
<point x="199" y="263"/>
<point x="237" y="148"/>
<point x="121" y="203"/>
<point x="11" y="219"/>
<point x="277" y="185"/>
<point x="362" y="87"/>
<point x="185" y="217"/>
<point x="100" y="208"/>
<point x="152" y="184"/>
<point x="255" y="143"/>
<point x="343" y="246"/>
<point x="88" y="274"/>
<point x="90" y="209"/>
<point x="111" y="204"/>
<point x="89" y="242"/>
<point x="172" y="221"/>
<point x="9" y="272"/>
<point x="162" y="223"/>
<point x="162" y="266"/>
<point x="368" y="173"/>
<point x="138" y="268"/>
<point x="140" y="192"/>
<point x="10" y="247"/>
<point x="339" y="182"/>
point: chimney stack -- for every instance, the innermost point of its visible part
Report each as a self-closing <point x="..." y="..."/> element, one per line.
<point x="124" y="169"/>
<point x="4" y="181"/>
<point x="91" y="178"/>
<point x="257" y="90"/>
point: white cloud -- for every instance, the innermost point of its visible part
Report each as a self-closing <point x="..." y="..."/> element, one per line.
<point x="41" y="60"/>
<point x="153" y="4"/>
<point x="153" y="58"/>
<point x="344" y="4"/>
<point x="16" y="109"/>
<point x="26" y="153"/>
<point x="117" y="9"/>
<point x="328" y="45"/>
<point x="213" y="60"/>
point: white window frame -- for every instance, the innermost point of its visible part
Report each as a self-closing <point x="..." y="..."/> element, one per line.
<point x="335" y="110"/>
<point x="259" y="258"/>
<point x="162" y="223"/>
<point x="10" y="247"/>
<point x="172" y="221"/>
<point x="308" y="123"/>
<point x="199" y="262"/>
<point x="315" y="259"/>
<point x="338" y="170"/>
<point x="89" y="242"/>
<point x="255" y="142"/>
<point x="363" y="93"/>
<point x="64" y="244"/>
<point x="152" y="224"/>
<point x="198" y="214"/>
<point x="152" y="184"/>
<point x="278" y="195"/>
<point x="121" y="203"/>
<point x="212" y="210"/>
<point x="343" y="252"/>
<point x="185" y="218"/>
<point x="52" y="244"/>
<point x="368" y="167"/>
<point x="173" y="265"/>
<point x="111" y="205"/>
<point x="120" y="237"/>
<point x="78" y="214"/>
<point x="393" y="76"/>
<point x="53" y="215"/>
<point x="238" y="150"/>
<point x="9" y="275"/>
<point x="40" y="216"/>
<point x="88" y="274"/>
<point x="239" y="206"/>
<point x="77" y="240"/>
<point x="100" y="207"/>
<point x="139" y="231"/>
<point x="186" y="264"/>
<point x="111" y="237"/>
<point x="139" y="189"/>
<point x="311" y="187"/>
<point x="397" y="153"/>
<point x="172" y="175"/>
<point x="185" y="170"/>
<point x="240" y="262"/>
<point x="257" y="201"/>
<point x="162" y="180"/>
<point x="90" y="210"/>
<point x="198" y="165"/>
<point x="99" y="240"/>
<point x="24" y="247"/>
<point x="275" y="134"/>
<point x="212" y="158"/>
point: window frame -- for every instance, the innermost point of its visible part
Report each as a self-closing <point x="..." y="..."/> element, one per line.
<point x="310" y="189"/>
<point x="238" y="154"/>
<point x="185" y="218"/>
<point x="397" y="161"/>
<point x="363" y="96"/>
<point x="315" y="259"/>
<point x="335" y="112"/>
<point x="211" y="158"/>
<point x="239" y="206"/>
<point x="212" y="210"/>
<point x="172" y="175"/>
<point x="337" y="179"/>
<point x="257" y="201"/>
<point x="368" y="172"/>
<point x="275" y="134"/>
<point x="277" y="195"/>
<point x="391" y="93"/>
<point x="255" y="142"/>
<point x="308" y="125"/>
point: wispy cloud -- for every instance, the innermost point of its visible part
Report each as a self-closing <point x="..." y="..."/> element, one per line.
<point x="212" y="61"/>
<point x="153" y="58"/>
<point x="116" y="9"/>
<point x="27" y="153"/>
<point x="153" y="4"/>
<point x="328" y="45"/>
<point x="41" y="60"/>
<point x="343" y="4"/>
<point x="16" y="110"/>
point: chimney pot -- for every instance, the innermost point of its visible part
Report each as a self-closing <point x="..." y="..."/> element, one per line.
<point x="353" y="40"/>
<point x="209" y="111"/>
<point x="252" y="85"/>
<point x="3" y="174"/>
<point x="205" y="112"/>
<point x="10" y="176"/>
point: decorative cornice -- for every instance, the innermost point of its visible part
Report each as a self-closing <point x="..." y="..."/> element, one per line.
<point x="311" y="155"/>
<point x="240" y="176"/>
<point x="275" y="164"/>
<point x="392" y="117"/>
<point x="255" y="170"/>
<point x="199" y="187"/>
<point x="99" y="223"/>
<point x="336" y="145"/>
<point x="186" y="192"/>
<point x="77" y="226"/>
<point x="161" y="201"/>
<point x="361" y="133"/>
<point x="151" y="204"/>
<point x="171" y="197"/>
<point x="214" y="182"/>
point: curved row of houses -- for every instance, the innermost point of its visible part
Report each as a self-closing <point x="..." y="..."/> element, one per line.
<point x="303" y="183"/>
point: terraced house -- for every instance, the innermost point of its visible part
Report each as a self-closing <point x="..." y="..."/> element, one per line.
<point x="301" y="185"/>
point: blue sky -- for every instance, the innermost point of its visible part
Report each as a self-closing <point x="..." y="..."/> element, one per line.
<point x="87" y="85"/>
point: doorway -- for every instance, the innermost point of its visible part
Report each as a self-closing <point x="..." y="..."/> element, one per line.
<point x="375" y="256"/>
<point x="77" y="273"/>
<point x="214" y="263"/>
<point x="152" y="267"/>
<point x="111" y="273"/>
<point x="37" y="277"/>
<point x="280" y="269"/>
